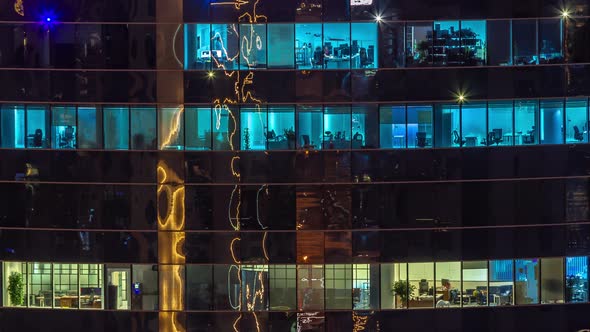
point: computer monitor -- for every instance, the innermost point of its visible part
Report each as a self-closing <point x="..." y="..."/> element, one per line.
<point x="90" y="291"/>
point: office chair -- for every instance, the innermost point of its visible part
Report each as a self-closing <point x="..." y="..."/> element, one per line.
<point x="578" y="136"/>
<point x="497" y="135"/>
<point x="364" y="58"/>
<point x="67" y="138"/>
<point x="529" y="138"/>
<point x="458" y="139"/>
<point x="305" y="139"/>
<point x="38" y="138"/>
<point x="423" y="287"/>
<point x="318" y="58"/>
<point x="421" y="139"/>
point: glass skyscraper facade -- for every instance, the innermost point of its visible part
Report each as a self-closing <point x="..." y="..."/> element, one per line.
<point x="294" y="165"/>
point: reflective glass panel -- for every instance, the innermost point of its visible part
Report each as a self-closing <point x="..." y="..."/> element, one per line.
<point x="419" y="44"/>
<point x="38" y="119"/>
<point x="473" y="125"/>
<point x="526" y="285"/>
<point x="310" y="287"/>
<point x="499" y="42"/>
<point x="116" y="128"/>
<point x="421" y="278"/>
<point x="283" y="287"/>
<point x="280" y="46"/>
<point x="524" y="44"/>
<point x="171" y="128"/>
<point x="551" y="121"/>
<point x="225" y="46"/>
<point x="448" y="126"/>
<point x="552" y="287"/>
<point x="338" y="285"/>
<point x="364" y="38"/>
<point x="309" y="51"/>
<point x="473" y="42"/>
<point x="364" y="127"/>
<point x="63" y="127"/>
<point x="65" y="280"/>
<point x="254" y="124"/>
<point x="197" y="121"/>
<point x="526" y="115"/>
<point x="446" y="45"/>
<point x="501" y="282"/>
<point x="394" y="286"/>
<point x="336" y="40"/>
<point x="281" y="128"/>
<point x="197" y="46"/>
<point x="90" y="127"/>
<point x="419" y="126"/>
<point x="336" y="127"/>
<point x="12" y="122"/>
<point x="143" y="128"/>
<point x="310" y="127"/>
<point x="448" y="284"/>
<point x="576" y="121"/>
<point x="475" y="283"/>
<point x="392" y="127"/>
<point x="253" y="46"/>
<point x="550" y="41"/>
<point x="500" y="123"/>
<point x="576" y="279"/>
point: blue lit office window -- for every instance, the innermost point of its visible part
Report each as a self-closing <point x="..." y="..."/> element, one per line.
<point x="116" y="127"/>
<point x="197" y="121"/>
<point x="473" y="125"/>
<point x="550" y="41"/>
<point x="501" y="291"/>
<point x="500" y="123"/>
<point x="526" y="114"/>
<point x="38" y="128"/>
<point x="309" y="52"/>
<point x="392" y="127"/>
<point x="225" y="46"/>
<point x="365" y="131"/>
<point x="499" y="44"/>
<point x="310" y="127"/>
<point x="364" y="39"/>
<point x="446" y="46"/>
<point x="419" y="44"/>
<point x="551" y="122"/>
<point x="89" y="127"/>
<point x="171" y="128"/>
<point x="254" y="125"/>
<point x="448" y="126"/>
<point x="474" y="42"/>
<point x="576" y="121"/>
<point x="281" y="40"/>
<point x="225" y="128"/>
<point x="337" y="44"/>
<point x="12" y="122"/>
<point x="143" y="128"/>
<point x="337" y="123"/>
<point x="252" y="46"/>
<point x="197" y="46"/>
<point x="280" y="134"/>
<point x="63" y="127"/>
<point x="419" y="126"/>
<point x="524" y="42"/>
<point x="526" y="284"/>
<point x="576" y="279"/>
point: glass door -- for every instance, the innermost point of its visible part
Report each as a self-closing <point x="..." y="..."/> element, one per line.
<point x="118" y="292"/>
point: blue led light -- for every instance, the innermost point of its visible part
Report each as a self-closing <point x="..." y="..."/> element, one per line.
<point x="48" y="19"/>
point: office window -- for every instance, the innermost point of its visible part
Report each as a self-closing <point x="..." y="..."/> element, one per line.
<point x="63" y="127"/>
<point x="392" y="127"/>
<point x="171" y="128"/>
<point x="40" y="285"/>
<point x="500" y="123"/>
<point x="365" y="131"/>
<point x="336" y="127"/>
<point x="419" y="126"/>
<point x="392" y="45"/>
<point x="364" y="40"/>
<point x="281" y="128"/>
<point x="143" y="128"/>
<point x="475" y="283"/>
<point x="116" y="128"/>
<point x="281" y="42"/>
<point x="253" y="46"/>
<point x="576" y="279"/>
<point x="144" y="287"/>
<point x="91" y="286"/>
<point x="310" y="287"/>
<point x="254" y="125"/>
<point x="501" y="282"/>
<point x="225" y="46"/>
<point x="524" y="42"/>
<point x="551" y="122"/>
<point x="336" y="44"/>
<point x="526" y="285"/>
<point x="526" y="115"/>
<point x="499" y="50"/>
<point x="12" y="122"/>
<point x="473" y="125"/>
<point x="15" y="275"/>
<point x="365" y="286"/>
<point x="550" y="41"/>
<point x="225" y="128"/>
<point x="419" y="44"/>
<point x="89" y="127"/>
<point x="448" y="284"/>
<point x="65" y="280"/>
<point x="254" y="285"/>
<point x="421" y="277"/>
<point x="310" y="127"/>
<point x="552" y="287"/>
<point x="448" y="126"/>
<point x="446" y="46"/>
<point x="199" y="287"/>
<point x="226" y="287"/>
<point x="576" y="121"/>
<point x="197" y="121"/>
<point x="282" y="287"/>
<point x="473" y="43"/>
<point x="338" y="285"/>
<point x="394" y="286"/>
<point x="197" y="46"/>
<point x="309" y="51"/>
<point x="38" y="119"/>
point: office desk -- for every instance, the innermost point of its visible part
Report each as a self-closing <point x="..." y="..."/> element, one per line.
<point x="68" y="301"/>
<point x="399" y="141"/>
<point x="337" y="63"/>
<point x="508" y="139"/>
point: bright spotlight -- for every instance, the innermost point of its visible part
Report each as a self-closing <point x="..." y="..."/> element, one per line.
<point x="378" y="18"/>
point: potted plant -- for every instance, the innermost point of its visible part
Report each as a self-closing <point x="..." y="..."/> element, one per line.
<point x="402" y="291"/>
<point x="290" y="136"/>
<point x="16" y="289"/>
